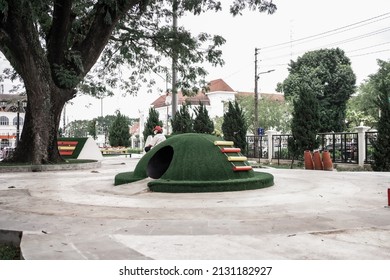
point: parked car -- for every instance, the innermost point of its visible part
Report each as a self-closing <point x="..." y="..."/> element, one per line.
<point x="345" y="151"/>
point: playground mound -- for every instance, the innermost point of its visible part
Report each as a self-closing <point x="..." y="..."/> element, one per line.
<point x="196" y="163"/>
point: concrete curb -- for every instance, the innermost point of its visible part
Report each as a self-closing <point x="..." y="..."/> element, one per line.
<point x="51" y="167"/>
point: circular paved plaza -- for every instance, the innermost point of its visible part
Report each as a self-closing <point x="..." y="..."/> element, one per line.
<point x="305" y="215"/>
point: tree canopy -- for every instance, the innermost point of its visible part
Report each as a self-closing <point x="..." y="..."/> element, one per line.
<point x="152" y="121"/>
<point x="362" y="107"/>
<point x="273" y="114"/>
<point x="182" y="121"/>
<point x="381" y="82"/>
<point x="235" y="126"/>
<point x="119" y="131"/>
<point x="305" y="122"/>
<point x="53" y="45"/>
<point x="202" y="121"/>
<point x="333" y="80"/>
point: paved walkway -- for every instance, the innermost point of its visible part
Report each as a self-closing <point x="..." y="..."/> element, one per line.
<point x="305" y="215"/>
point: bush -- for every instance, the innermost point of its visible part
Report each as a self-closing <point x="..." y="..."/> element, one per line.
<point x="8" y="252"/>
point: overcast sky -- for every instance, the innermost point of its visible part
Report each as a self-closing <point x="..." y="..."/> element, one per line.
<point x="361" y="28"/>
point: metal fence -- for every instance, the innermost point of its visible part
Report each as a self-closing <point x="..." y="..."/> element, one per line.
<point x="280" y="146"/>
<point x="343" y="146"/>
<point x="257" y="146"/>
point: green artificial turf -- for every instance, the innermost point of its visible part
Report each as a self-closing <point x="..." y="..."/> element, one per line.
<point x="125" y="178"/>
<point x="260" y="180"/>
<point x="192" y="163"/>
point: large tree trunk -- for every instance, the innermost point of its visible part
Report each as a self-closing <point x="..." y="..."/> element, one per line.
<point x="45" y="100"/>
<point x="38" y="142"/>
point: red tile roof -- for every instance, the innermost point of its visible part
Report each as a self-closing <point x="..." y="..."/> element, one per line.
<point x="213" y="86"/>
<point x="192" y="100"/>
<point x="218" y="85"/>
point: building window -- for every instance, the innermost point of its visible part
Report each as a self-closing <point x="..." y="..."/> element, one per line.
<point x="15" y="121"/>
<point x="4" y="120"/>
<point x="4" y="143"/>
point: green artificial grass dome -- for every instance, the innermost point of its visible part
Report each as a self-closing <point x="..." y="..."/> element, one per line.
<point x="193" y="163"/>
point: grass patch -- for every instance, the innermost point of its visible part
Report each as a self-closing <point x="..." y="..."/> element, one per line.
<point x="9" y="252"/>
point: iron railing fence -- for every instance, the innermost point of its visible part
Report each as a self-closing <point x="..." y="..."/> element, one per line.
<point x="256" y="146"/>
<point x="280" y="147"/>
<point x="343" y="146"/>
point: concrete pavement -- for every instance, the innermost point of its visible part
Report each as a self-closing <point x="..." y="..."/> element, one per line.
<point x="307" y="214"/>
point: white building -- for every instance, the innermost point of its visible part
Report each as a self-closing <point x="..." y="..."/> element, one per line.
<point x="214" y="99"/>
<point x="12" y="112"/>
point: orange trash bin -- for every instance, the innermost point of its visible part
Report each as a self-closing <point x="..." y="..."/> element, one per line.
<point x="317" y="161"/>
<point x="309" y="164"/>
<point x="327" y="161"/>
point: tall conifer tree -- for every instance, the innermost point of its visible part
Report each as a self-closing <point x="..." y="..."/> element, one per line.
<point x="202" y="122"/>
<point x="305" y="123"/>
<point x="381" y="146"/>
<point x="119" y="131"/>
<point x="234" y="126"/>
<point x="151" y="123"/>
<point x="182" y="121"/>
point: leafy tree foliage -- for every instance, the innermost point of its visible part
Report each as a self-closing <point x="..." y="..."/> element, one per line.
<point x="77" y="128"/>
<point x="151" y="123"/>
<point x="234" y="125"/>
<point x="53" y="45"/>
<point x="202" y="122"/>
<point x="119" y="131"/>
<point x="305" y="122"/>
<point x="218" y="121"/>
<point x="92" y="128"/>
<point x="362" y="108"/>
<point x="272" y="113"/>
<point x="381" y="82"/>
<point x="182" y="121"/>
<point x="335" y="83"/>
<point x="101" y="125"/>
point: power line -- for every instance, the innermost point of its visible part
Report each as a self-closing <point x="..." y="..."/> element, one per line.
<point x="359" y="37"/>
<point x="325" y="34"/>
<point x="364" y="54"/>
<point x="369" y="47"/>
<point x="333" y="31"/>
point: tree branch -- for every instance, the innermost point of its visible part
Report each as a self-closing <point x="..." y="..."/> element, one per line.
<point x="58" y="36"/>
<point x="101" y="29"/>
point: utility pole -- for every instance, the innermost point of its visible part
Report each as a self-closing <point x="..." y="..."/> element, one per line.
<point x="256" y="124"/>
<point x="257" y="76"/>
<point x="174" y="59"/>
